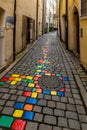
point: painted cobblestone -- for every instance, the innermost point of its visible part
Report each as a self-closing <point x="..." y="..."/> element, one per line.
<point x="38" y="89"/>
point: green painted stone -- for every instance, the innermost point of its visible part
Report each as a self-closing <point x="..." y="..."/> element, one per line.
<point x="30" y="81"/>
<point x="6" y="121"/>
<point x="59" y="75"/>
<point x="33" y="89"/>
<point x="36" y="73"/>
<point x="24" y="80"/>
<point x="1" y="83"/>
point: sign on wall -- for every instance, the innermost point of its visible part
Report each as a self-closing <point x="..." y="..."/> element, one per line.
<point x="9" y="22"/>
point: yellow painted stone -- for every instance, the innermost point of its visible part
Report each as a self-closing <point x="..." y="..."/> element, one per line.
<point x="29" y="77"/>
<point x="13" y="82"/>
<point x="47" y="74"/>
<point x="34" y="95"/>
<point x="39" y="66"/>
<point x="18" y="79"/>
<point x="38" y="70"/>
<point x="53" y="92"/>
<point x="31" y="85"/>
<point x="18" y="113"/>
<point x="16" y="75"/>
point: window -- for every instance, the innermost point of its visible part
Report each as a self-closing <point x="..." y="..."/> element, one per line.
<point x="83" y="7"/>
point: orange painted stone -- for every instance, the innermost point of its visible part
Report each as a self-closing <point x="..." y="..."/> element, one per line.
<point x="11" y="78"/>
<point x="28" y="107"/>
<point x="38" y="90"/>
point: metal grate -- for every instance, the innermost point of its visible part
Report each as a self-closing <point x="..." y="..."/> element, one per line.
<point x="83" y="7"/>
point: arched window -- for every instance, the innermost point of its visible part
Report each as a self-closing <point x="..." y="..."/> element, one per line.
<point x="83" y="7"/>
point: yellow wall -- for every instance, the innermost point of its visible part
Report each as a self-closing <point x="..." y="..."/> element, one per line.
<point x="8" y="7"/>
<point x="83" y="42"/>
<point x="26" y="8"/>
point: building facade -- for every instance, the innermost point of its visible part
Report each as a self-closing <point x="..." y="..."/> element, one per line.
<point x="73" y="27"/>
<point x="18" y="20"/>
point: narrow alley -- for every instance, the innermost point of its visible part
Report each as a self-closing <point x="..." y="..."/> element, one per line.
<point x="45" y="90"/>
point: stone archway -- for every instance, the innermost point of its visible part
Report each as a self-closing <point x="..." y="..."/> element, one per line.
<point x="2" y="37"/>
<point x="75" y="31"/>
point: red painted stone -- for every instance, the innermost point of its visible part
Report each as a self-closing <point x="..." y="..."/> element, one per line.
<point x="27" y="94"/>
<point x="53" y="74"/>
<point x="4" y="79"/>
<point x="62" y="89"/>
<point x="18" y="124"/>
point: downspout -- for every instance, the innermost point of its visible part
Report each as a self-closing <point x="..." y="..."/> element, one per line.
<point x="37" y="20"/>
<point x="59" y="20"/>
<point x="43" y="18"/>
<point x="14" y="32"/>
<point x="67" y="24"/>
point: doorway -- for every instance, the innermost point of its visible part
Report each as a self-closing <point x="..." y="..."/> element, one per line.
<point x="76" y="41"/>
<point x="2" y="38"/>
<point x="64" y="28"/>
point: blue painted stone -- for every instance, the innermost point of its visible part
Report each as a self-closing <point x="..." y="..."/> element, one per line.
<point x="65" y="79"/>
<point x="61" y="94"/>
<point x="31" y="101"/>
<point x="46" y="92"/>
<point x="19" y="105"/>
<point x="28" y="115"/>
<point x="41" y="73"/>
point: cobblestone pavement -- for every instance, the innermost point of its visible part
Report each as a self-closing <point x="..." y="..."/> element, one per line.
<point x="41" y="92"/>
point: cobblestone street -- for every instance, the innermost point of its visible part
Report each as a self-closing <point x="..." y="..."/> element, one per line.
<point x="45" y="90"/>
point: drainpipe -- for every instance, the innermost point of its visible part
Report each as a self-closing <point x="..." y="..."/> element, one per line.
<point x="37" y="20"/>
<point x="14" y="32"/>
<point x="43" y="18"/>
<point x="67" y="24"/>
<point x="59" y="20"/>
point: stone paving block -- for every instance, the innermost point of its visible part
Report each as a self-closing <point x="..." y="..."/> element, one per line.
<point x="71" y="101"/>
<point x="28" y="115"/>
<point x="76" y="96"/>
<point x="78" y="102"/>
<point x="37" y="108"/>
<point x="12" y="91"/>
<point x="66" y="129"/>
<point x="62" y="122"/>
<point x="10" y="103"/>
<point x="2" y="102"/>
<point x="6" y="96"/>
<point x="13" y="97"/>
<point x="40" y="96"/>
<point x="84" y="126"/>
<point x="47" y="97"/>
<point x="57" y="128"/>
<point x="32" y="101"/>
<point x="83" y="118"/>
<point x="19" y="92"/>
<point x="50" y="120"/>
<point x="18" y="124"/>
<point x="56" y="98"/>
<point x="58" y="112"/>
<point x="21" y="98"/>
<point x="75" y="91"/>
<point x="31" y="126"/>
<point x="48" y="111"/>
<point x="60" y="105"/>
<point x="7" y="111"/>
<point x="73" y="124"/>
<point x="68" y="94"/>
<point x="45" y="127"/>
<point x="71" y="107"/>
<point x="42" y="102"/>
<point x="64" y="99"/>
<point x="4" y="90"/>
<point x="80" y="109"/>
<point x="51" y="104"/>
<point x="38" y="117"/>
<point x="72" y="115"/>
<point x="7" y="121"/>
